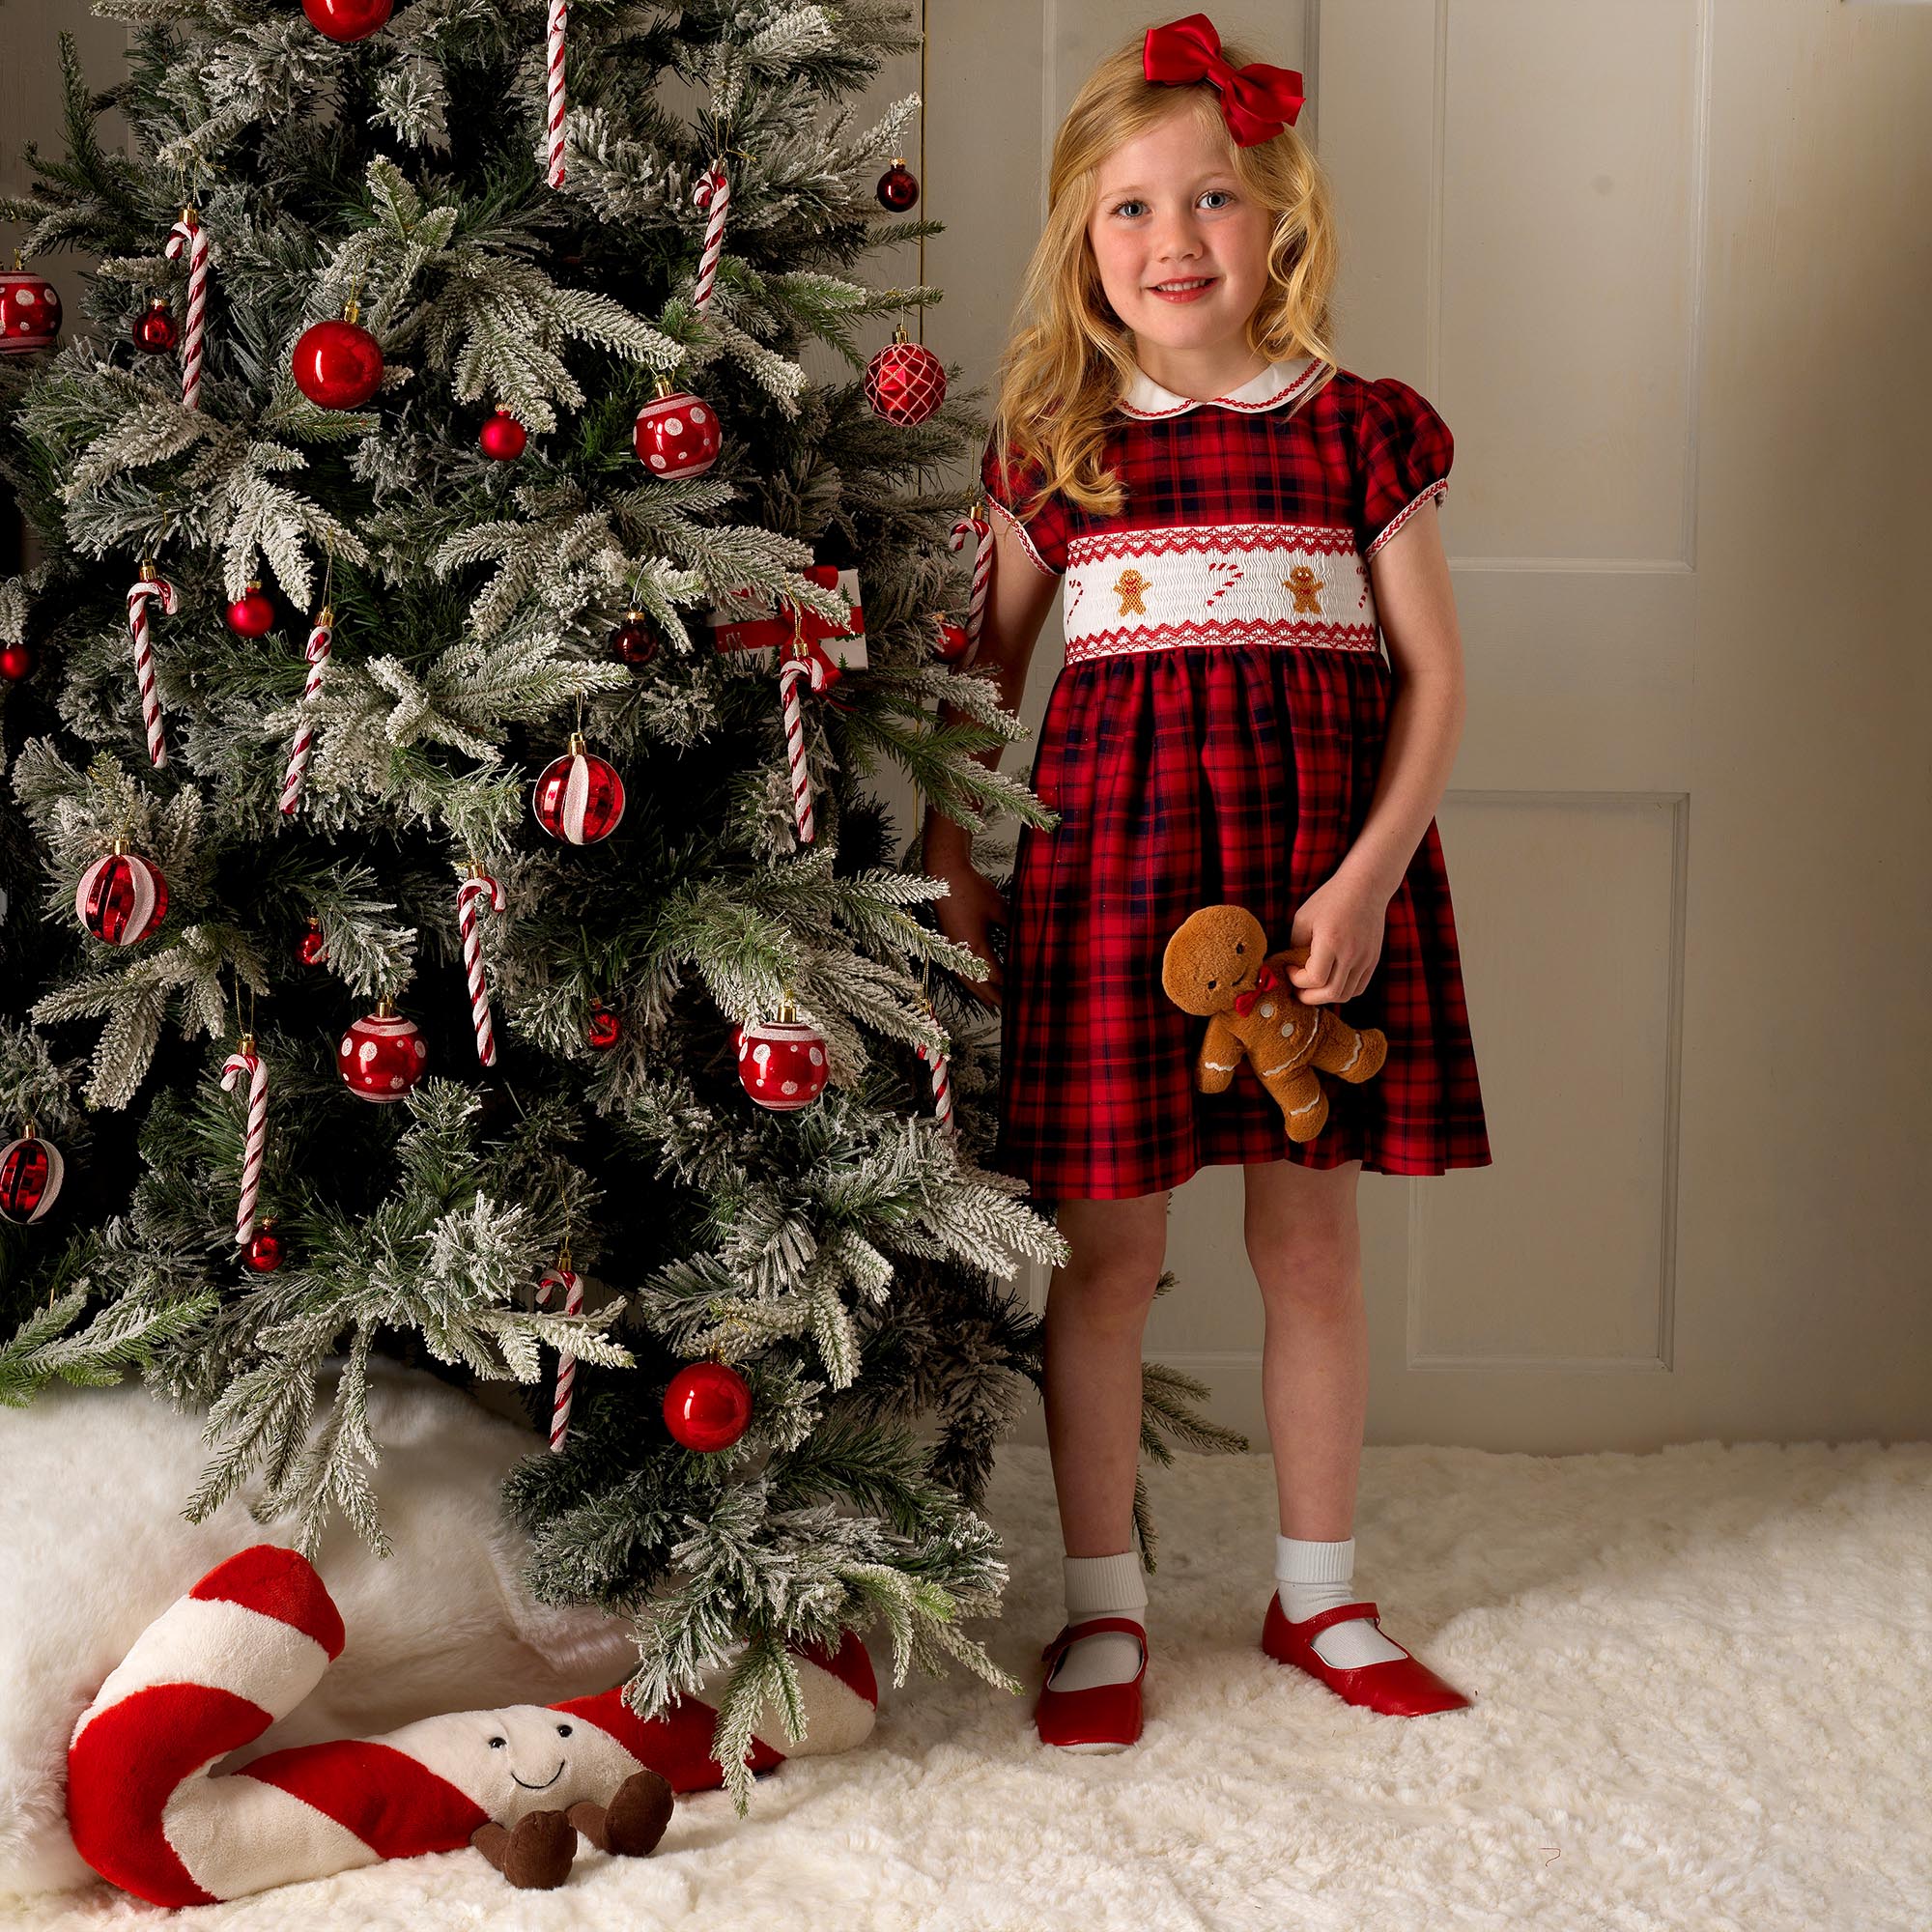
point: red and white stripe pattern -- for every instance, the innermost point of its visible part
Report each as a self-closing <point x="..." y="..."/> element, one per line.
<point x="789" y="673"/>
<point x="247" y="1062"/>
<point x="559" y="14"/>
<point x="320" y="638"/>
<point x="566" y="1364"/>
<point x="188" y="233"/>
<point x="478" y="885"/>
<point x="942" y="1087"/>
<point x="981" y="532"/>
<point x="250" y="1641"/>
<point x="717" y="205"/>
<point x="148" y="586"/>
<point x="120" y="898"/>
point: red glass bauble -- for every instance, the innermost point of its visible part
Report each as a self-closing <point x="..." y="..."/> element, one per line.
<point x="905" y="381"/>
<point x="155" y="330"/>
<point x="578" y="798"/>
<point x="312" y="949"/>
<point x="502" y="436"/>
<point x="780" y="1062"/>
<point x="949" y="640"/>
<point x="30" y="1177"/>
<point x="16" y="662"/>
<point x="898" y="187"/>
<point x="707" y="1406"/>
<point x="634" y="641"/>
<point x="264" y="1253"/>
<point x="30" y="312"/>
<point x="677" y="434"/>
<point x="121" y="898"/>
<point x="382" y="1057"/>
<point x="348" y="20"/>
<point x="603" y="1029"/>
<point x="251" y="614"/>
<point x="337" y="365"/>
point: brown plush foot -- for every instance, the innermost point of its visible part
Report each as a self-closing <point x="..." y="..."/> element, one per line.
<point x="536" y="1855"/>
<point x="634" y="1819"/>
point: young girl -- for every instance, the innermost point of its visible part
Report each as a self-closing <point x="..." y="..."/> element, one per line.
<point x="1234" y="516"/>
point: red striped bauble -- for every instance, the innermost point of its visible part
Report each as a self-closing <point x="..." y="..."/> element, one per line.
<point x="122" y="897"/>
<point x="579" y="797"/>
<point x="31" y="1170"/>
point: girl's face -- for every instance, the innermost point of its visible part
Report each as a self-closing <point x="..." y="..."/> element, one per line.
<point x="1181" y="248"/>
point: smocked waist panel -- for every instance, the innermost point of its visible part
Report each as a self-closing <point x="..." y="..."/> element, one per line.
<point x="1299" y="585"/>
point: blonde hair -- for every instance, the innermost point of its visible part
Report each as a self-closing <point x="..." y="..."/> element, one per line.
<point x="1068" y="357"/>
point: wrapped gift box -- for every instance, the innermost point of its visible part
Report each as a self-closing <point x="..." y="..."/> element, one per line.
<point x="749" y="623"/>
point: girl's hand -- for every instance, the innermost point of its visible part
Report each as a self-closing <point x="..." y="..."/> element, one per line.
<point x="1342" y="926"/>
<point x="964" y="914"/>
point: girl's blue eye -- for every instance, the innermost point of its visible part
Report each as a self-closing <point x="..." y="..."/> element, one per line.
<point x="1133" y="205"/>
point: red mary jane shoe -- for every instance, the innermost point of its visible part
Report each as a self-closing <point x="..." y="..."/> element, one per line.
<point x="1401" y="1687"/>
<point x="1102" y="1718"/>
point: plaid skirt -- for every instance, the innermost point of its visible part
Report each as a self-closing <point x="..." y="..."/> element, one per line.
<point x="1236" y="774"/>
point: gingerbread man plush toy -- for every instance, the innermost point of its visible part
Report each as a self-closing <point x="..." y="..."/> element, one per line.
<point x="1218" y="964"/>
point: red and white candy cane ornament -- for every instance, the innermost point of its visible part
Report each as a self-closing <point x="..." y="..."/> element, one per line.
<point x="717" y="204"/>
<point x="807" y="659"/>
<point x="566" y="1365"/>
<point x="149" y="585"/>
<point x="245" y="1059"/>
<point x="319" y="637"/>
<point x="477" y="883"/>
<point x="974" y="526"/>
<point x="942" y="1081"/>
<point x="559" y="13"/>
<point x="187" y="234"/>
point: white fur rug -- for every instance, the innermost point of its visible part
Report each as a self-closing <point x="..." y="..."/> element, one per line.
<point x="1703" y="1680"/>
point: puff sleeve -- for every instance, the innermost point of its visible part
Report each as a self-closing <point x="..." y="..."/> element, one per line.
<point x="1403" y="450"/>
<point x="1012" y="482"/>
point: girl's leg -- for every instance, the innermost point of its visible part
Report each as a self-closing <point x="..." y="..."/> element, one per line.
<point x="1096" y="1313"/>
<point x="1305" y="1244"/>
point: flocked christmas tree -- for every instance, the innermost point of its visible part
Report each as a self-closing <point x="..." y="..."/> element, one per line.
<point x="429" y="933"/>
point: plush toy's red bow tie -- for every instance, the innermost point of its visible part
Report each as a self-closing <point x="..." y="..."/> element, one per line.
<point x="1244" y="1002"/>
<point x="1256" y="102"/>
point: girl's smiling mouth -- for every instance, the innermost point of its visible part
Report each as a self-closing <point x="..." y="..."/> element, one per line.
<point x="1182" y="288"/>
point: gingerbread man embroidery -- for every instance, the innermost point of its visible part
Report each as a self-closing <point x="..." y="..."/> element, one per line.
<point x="1130" y="586"/>
<point x="1307" y="588"/>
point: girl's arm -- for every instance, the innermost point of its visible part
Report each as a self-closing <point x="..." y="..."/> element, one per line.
<point x="1017" y="602"/>
<point x="1417" y="606"/>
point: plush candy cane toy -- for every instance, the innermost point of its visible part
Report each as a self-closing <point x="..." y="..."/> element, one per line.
<point x="252" y="1640"/>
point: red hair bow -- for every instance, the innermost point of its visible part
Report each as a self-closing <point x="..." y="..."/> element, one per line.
<point x="1256" y="101"/>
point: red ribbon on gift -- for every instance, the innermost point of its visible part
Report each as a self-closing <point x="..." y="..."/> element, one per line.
<point x="1256" y="101"/>
<point x="1244" y="1002"/>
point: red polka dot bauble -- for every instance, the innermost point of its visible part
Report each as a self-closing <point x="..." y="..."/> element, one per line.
<point x="264" y="1253"/>
<point x="337" y="365"/>
<point x="18" y="662"/>
<point x="30" y="1177"/>
<point x="348" y="20"/>
<point x="634" y="641"/>
<point x="949" y="640"/>
<point x="781" y="1064"/>
<point x="905" y="381"/>
<point x="899" y="187"/>
<point x="383" y="1057"/>
<point x="603" y="1029"/>
<point x="30" y="312"/>
<point x="502" y="438"/>
<point x="122" y="897"/>
<point x="579" y="797"/>
<point x="676" y="433"/>
<point x="707" y="1406"/>
<point x="156" y="329"/>
<point x="251" y="614"/>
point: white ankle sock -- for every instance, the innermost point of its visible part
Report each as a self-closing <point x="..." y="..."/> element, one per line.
<point x="1101" y="1586"/>
<point x="1315" y="1576"/>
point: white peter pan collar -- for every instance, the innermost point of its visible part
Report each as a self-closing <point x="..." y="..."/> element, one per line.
<point x="1278" y="384"/>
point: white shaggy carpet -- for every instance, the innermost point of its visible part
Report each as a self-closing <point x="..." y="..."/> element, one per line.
<point x="1704" y="1700"/>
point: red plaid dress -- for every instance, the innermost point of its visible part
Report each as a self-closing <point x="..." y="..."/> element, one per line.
<point x="1215" y="736"/>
